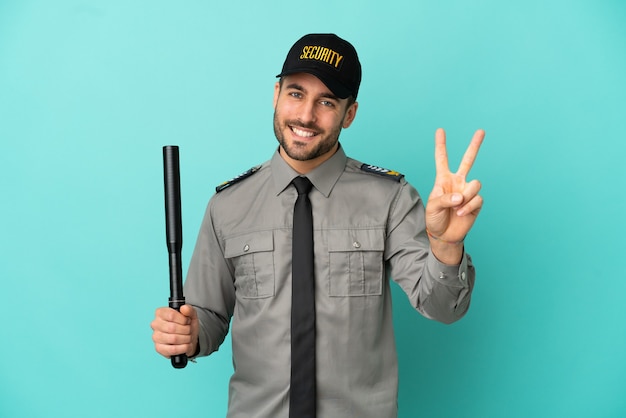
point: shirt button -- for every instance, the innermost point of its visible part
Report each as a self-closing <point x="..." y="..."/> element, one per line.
<point x="441" y="275"/>
<point x="246" y="248"/>
<point x="356" y="244"/>
<point x="463" y="276"/>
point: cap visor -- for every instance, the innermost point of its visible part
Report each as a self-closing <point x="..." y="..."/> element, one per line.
<point x="337" y="88"/>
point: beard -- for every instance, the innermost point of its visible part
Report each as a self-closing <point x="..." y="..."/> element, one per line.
<point x="297" y="150"/>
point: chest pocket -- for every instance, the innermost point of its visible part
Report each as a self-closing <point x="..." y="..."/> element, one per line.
<point x="252" y="256"/>
<point x="356" y="265"/>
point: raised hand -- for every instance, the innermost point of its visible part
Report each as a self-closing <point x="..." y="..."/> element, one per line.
<point x="454" y="203"/>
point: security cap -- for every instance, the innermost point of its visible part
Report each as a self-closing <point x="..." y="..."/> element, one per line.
<point x="328" y="57"/>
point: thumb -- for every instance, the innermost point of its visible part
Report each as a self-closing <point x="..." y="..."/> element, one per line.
<point x="189" y="312"/>
<point x="451" y="200"/>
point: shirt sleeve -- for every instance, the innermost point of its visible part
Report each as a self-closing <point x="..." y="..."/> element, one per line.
<point x="438" y="291"/>
<point x="209" y="287"/>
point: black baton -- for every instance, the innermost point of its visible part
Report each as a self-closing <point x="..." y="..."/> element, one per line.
<point x="174" y="234"/>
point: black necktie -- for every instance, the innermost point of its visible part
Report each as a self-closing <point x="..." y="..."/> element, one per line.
<point x="302" y="398"/>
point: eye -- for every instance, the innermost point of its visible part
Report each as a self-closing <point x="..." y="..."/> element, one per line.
<point x="327" y="103"/>
<point x="295" y="94"/>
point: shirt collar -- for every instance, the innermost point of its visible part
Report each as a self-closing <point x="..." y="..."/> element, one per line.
<point x="323" y="177"/>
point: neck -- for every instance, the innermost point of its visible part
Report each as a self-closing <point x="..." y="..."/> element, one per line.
<point x="304" y="167"/>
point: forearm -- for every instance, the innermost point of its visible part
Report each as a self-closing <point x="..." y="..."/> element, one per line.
<point x="212" y="331"/>
<point x="209" y="287"/>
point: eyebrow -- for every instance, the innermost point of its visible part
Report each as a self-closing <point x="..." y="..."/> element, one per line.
<point x="298" y="87"/>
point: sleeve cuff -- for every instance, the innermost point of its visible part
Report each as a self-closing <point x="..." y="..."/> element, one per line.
<point x="449" y="275"/>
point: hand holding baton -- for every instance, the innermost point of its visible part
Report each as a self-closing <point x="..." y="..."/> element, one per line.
<point x="174" y="234"/>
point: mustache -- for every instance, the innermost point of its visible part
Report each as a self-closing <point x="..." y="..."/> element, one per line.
<point x="299" y="124"/>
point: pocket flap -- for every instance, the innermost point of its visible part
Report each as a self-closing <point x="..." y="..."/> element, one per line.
<point x="248" y="243"/>
<point x="340" y="240"/>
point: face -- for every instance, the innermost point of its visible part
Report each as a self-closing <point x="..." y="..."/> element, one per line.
<point x="308" y="119"/>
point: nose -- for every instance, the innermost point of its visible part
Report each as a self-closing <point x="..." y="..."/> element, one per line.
<point x="307" y="111"/>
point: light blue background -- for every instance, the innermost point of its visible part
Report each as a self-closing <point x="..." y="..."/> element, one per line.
<point x="91" y="90"/>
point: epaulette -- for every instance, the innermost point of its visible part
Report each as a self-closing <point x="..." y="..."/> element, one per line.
<point x="390" y="174"/>
<point x="237" y="179"/>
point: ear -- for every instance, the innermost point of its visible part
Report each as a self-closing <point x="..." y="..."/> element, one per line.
<point x="350" y="115"/>
<point x="276" y="93"/>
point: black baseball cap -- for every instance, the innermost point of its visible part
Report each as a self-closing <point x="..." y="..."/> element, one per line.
<point x="328" y="57"/>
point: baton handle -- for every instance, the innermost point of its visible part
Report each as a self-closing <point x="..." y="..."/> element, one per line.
<point x="174" y="234"/>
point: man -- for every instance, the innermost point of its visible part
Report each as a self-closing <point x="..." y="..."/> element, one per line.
<point x="369" y="225"/>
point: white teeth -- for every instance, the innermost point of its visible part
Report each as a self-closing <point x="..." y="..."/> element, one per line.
<point x="300" y="132"/>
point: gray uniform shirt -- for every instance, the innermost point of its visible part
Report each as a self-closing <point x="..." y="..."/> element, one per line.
<point x="367" y="228"/>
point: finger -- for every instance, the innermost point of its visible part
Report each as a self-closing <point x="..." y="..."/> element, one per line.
<point x="470" y="190"/>
<point x="172" y="315"/>
<point x="170" y="338"/>
<point x="441" y="154"/>
<point x="160" y="326"/>
<point x="168" y="350"/>
<point x="470" y="154"/>
<point x="472" y="207"/>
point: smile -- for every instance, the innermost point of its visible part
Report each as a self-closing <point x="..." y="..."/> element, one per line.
<point x="302" y="133"/>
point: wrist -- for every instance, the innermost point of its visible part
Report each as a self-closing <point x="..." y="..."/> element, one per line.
<point x="447" y="252"/>
<point x="443" y="241"/>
